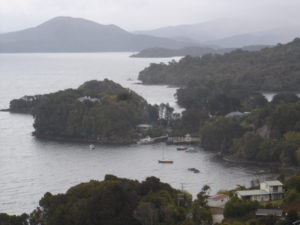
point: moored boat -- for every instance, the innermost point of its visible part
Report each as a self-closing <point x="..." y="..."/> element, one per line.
<point x="181" y="148"/>
<point x="146" y="140"/>
<point x="165" y="161"/>
<point x="191" y="150"/>
<point x="194" y="170"/>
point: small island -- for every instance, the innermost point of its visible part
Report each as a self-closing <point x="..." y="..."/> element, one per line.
<point x="98" y="111"/>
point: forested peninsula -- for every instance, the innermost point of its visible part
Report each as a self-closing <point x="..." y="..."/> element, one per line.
<point x="224" y="104"/>
<point x="270" y="69"/>
<point x="98" y="111"/>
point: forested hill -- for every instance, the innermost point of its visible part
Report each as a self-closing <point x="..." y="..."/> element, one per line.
<point x="270" y="69"/>
<point x="98" y="111"/>
<point x="67" y="34"/>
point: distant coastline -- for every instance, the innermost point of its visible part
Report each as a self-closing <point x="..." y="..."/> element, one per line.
<point x="191" y="51"/>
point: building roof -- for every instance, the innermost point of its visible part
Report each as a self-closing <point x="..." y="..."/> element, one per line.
<point x="267" y="212"/>
<point x="218" y="197"/>
<point x="273" y="183"/>
<point x="252" y="192"/>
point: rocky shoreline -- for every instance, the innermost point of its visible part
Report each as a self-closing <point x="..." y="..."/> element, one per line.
<point x="281" y="167"/>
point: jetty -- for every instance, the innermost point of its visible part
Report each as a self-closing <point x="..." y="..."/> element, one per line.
<point x="187" y="139"/>
<point x="149" y="140"/>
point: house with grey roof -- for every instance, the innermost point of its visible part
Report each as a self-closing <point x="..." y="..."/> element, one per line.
<point x="269" y="191"/>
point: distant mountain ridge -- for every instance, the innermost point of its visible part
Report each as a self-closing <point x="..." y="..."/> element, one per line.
<point x="268" y="37"/>
<point x="201" y="32"/>
<point x="226" y="34"/>
<point x="67" y="34"/>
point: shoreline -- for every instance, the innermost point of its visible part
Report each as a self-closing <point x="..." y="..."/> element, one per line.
<point x="83" y="140"/>
<point x="278" y="165"/>
<point x="4" y="110"/>
<point x="232" y="159"/>
<point x="16" y="111"/>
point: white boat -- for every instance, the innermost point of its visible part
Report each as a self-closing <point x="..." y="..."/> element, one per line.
<point x="92" y="147"/>
<point x="146" y="140"/>
<point x="181" y="148"/>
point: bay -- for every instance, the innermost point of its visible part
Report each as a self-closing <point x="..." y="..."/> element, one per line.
<point x="29" y="167"/>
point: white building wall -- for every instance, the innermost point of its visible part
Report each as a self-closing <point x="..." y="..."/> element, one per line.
<point x="218" y="203"/>
<point x="264" y="186"/>
<point x="260" y="198"/>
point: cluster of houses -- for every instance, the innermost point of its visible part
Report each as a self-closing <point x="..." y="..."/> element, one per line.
<point x="268" y="191"/>
<point x="187" y="139"/>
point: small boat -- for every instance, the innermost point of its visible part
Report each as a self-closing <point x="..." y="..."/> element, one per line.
<point x="191" y="150"/>
<point x="194" y="170"/>
<point x="181" y="148"/>
<point x="146" y="140"/>
<point x="165" y="161"/>
<point x="92" y="147"/>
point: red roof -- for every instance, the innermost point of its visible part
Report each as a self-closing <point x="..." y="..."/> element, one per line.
<point x="218" y="197"/>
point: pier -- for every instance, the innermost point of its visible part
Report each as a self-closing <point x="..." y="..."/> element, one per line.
<point x="187" y="139"/>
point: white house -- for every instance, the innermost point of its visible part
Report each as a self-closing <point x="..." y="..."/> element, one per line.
<point x="269" y="191"/>
<point x="217" y="200"/>
<point x="275" y="188"/>
<point x="88" y="98"/>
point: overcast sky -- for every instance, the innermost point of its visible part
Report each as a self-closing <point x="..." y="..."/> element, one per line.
<point x="148" y="14"/>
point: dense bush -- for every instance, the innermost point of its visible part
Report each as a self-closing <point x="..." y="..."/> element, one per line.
<point x="113" y="201"/>
<point x="236" y="208"/>
<point x="218" y="134"/>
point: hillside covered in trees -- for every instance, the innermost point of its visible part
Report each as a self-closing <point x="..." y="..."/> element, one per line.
<point x="99" y="111"/>
<point x="214" y="86"/>
<point x="118" y="201"/>
<point x="270" y="69"/>
<point x="270" y="132"/>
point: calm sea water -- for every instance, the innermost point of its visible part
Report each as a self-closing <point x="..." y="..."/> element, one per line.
<point x="29" y="167"/>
